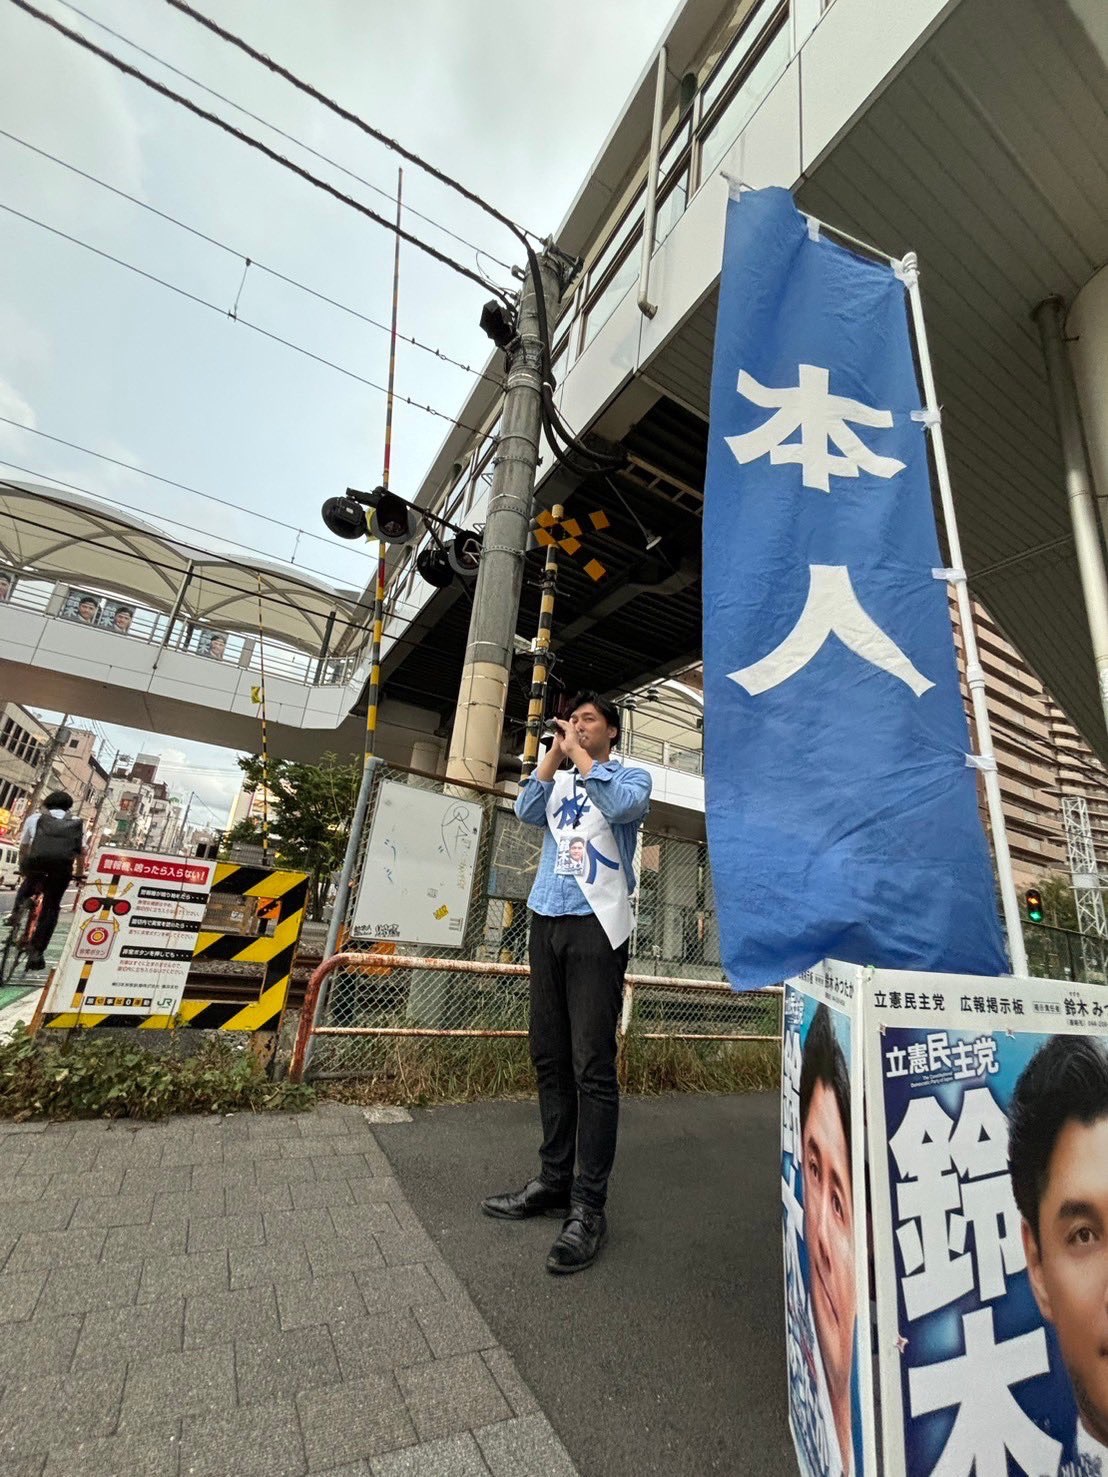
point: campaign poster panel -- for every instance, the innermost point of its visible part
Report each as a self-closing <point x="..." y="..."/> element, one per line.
<point x="134" y="932"/>
<point x="823" y="1221"/>
<point x="988" y="1152"/>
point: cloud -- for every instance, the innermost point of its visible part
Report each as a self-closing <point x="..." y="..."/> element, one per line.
<point x="66" y="101"/>
<point x="15" y="406"/>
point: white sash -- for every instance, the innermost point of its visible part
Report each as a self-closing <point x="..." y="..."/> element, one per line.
<point x="604" y="885"/>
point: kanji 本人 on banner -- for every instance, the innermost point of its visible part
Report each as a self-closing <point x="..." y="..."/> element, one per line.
<point x="842" y="812"/>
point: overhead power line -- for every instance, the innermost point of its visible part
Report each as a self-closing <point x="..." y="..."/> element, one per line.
<point x="236" y="318"/>
<point x="250" y="261"/>
<point x="229" y="543"/>
<point x="273" y="127"/>
<point x="568" y="450"/>
<point x="181" y="487"/>
<point x="305" y="174"/>
<point x="348" y="117"/>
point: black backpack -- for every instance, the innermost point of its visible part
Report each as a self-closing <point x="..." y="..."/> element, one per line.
<point x="56" y="840"/>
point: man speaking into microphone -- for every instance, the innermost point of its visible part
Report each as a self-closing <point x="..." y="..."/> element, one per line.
<point x="580" y="930"/>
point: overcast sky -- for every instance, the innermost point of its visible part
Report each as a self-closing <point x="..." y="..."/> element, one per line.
<point x="513" y="98"/>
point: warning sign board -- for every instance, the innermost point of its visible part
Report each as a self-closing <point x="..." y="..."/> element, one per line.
<point x="138" y="919"/>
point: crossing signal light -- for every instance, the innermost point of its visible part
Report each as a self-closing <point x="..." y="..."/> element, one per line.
<point x="1034" y="901"/>
<point x="433" y="565"/>
<point x="464" y="555"/>
<point x="393" y="520"/>
<point x="344" y="517"/>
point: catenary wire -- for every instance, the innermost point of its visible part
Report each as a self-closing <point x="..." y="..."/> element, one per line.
<point x="206" y="554"/>
<point x="251" y="261"/>
<point x="181" y="487"/>
<point x="347" y="116"/>
<point x="305" y="174"/>
<point x="553" y="423"/>
<point x="243" y="322"/>
<point x="290" y="137"/>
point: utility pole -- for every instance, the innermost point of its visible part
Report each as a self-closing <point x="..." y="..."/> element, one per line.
<point x="483" y="693"/>
<point x="94" y="829"/>
<point x="185" y="820"/>
<point x="42" y="783"/>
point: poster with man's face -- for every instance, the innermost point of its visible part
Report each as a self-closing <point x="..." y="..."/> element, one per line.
<point x="117" y="616"/>
<point x="988" y="1148"/>
<point x="81" y="606"/>
<point x="213" y="644"/>
<point x="824" y="1225"/>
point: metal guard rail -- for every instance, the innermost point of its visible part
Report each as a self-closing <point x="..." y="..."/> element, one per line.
<point x="386" y="963"/>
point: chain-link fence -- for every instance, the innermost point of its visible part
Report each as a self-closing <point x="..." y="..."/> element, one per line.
<point x="466" y="976"/>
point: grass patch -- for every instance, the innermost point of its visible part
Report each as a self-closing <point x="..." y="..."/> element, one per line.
<point x="90" y="1076"/>
<point x="418" y="1071"/>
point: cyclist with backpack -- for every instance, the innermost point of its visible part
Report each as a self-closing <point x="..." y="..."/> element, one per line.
<point x="51" y="849"/>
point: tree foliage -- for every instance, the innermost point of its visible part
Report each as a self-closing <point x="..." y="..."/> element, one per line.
<point x="311" y="806"/>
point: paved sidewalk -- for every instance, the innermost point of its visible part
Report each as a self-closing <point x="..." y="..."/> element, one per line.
<point x="224" y="1297"/>
<point x="666" y="1359"/>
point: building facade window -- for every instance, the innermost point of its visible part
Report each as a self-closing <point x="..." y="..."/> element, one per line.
<point x="763" y="62"/>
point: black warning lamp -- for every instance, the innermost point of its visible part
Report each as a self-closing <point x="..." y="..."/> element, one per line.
<point x="433" y="565"/>
<point x="344" y="517"/>
<point x="464" y="554"/>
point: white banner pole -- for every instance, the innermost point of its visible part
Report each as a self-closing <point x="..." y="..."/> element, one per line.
<point x="975" y="673"/>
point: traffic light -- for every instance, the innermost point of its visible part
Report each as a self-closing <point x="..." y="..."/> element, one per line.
<point x="1034" y="901"/>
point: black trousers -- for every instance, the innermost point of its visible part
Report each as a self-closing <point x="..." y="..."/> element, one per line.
<point x="52" y="879"/>
<point x="576" y="997"/>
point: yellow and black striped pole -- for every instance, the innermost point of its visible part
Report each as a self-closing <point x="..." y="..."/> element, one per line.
<point x="265" y="729"/>
<point x="374" y="697"/>
<point x="540" y="672"/>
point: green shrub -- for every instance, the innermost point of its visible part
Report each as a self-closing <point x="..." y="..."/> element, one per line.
<point x="92" y="1076"/>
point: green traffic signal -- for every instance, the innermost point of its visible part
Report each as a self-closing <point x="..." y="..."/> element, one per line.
<point x="1034" y="901"/>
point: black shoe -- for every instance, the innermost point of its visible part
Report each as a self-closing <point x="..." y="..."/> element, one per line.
<point x="535" y="1198"/>
<point x="578" y="1246"/>
<point x="35" y="961"/>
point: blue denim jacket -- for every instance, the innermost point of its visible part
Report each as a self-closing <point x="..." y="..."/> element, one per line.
<point x="623" y="798"/>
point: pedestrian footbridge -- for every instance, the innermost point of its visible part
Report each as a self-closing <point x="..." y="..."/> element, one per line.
<point x="102" y="615"/>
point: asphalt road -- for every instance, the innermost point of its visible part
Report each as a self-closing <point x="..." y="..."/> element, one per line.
<point x="666" y="1358"/>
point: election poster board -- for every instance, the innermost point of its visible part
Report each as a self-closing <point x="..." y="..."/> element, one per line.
<point x="137" y="920"/>
<point x="823" y="1202"/>
<point x="987" y="1105"/>
<point x="419" y="867"/>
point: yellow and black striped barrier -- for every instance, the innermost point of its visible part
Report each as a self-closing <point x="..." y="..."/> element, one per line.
<point x="285" y="894"/>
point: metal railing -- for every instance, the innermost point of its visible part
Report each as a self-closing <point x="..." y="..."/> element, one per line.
<point x="60" y="601"/>
<point x="1064" y="954"/>
<point x="670" y="754"/>
<point x="394" y="987"/>
<point x="370" y="996"/>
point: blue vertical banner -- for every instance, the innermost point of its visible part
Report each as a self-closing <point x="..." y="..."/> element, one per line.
<point x="842" y="811"/>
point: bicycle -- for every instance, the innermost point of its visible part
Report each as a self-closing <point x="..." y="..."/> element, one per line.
<point x="24" y="920"/>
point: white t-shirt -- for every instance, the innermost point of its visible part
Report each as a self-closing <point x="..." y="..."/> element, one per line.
<point x="30" y="825"/>
<point x="1095" y="1456"/>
